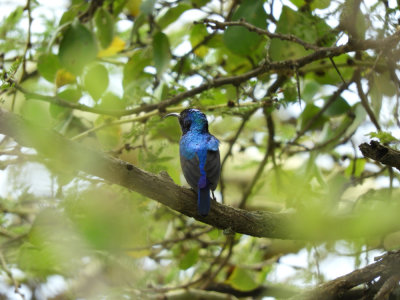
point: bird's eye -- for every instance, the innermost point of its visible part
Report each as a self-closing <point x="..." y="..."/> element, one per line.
<point x="186" y="123"/>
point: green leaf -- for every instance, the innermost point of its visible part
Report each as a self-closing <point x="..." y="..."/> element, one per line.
<point x="136" y="80"/>
<point x="36" y="111"/>
<point x="197" y="35"/>
<point x="305" y="26"/>
<point x="172" y="14"/>
<point x="58" y="112"/>
<point x="111" y="101"/>
<point x="96" y="80"/>
<point x="48" y="65"/>
<point x="384" y="84"/>
<point x="290" y="93"/>
<point x="383" y="136"/>
<point x="161" y="52"/>
<point x="347" y="22"/>
<point x="242" y="280"/>
<point x="325" y="73"/>
<point x="189" y="259"/>
<point x="104" y="27"/>
<point x="338" y="107"/>
<point x="239" y="39"/>
<point x="70" y="94"/>
<point x="311" y="88"/>
<point x="320" y="4"/>
<point x="308" y="114"/>
<point x="360" y="113"/>
<point x="355" y="168"/>
<point x="77" y="48"/>
<point x="199" y="3"/>
<point x="9" y="23"/>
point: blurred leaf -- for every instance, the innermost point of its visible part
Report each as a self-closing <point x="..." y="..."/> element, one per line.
<point x="376" y="97"/>
<point x="70" y="94"/>
<point x="111" y="102"/>
<point x="309" y="28"/>
<point x="290" y="92"/>
<point x="161" y="52"/>
<point x="134" y="69"/>
<point x="48" y="65"/>
<point x="37" y="112"/>
<point x="310" y="90"/>
<point x="383" y="136"/>
<point x="239" y="39"/>
<point x="338" y="107"/>
<point x="96" y="80"/>
<point x="104" y="27"/>
<point x="242" y="280"/>
<point x="172" y="14"/>
<point x="383" y="84"/>
<point x="308" y="114"/>
<point x="147" y="7"/>
<point x="353" y="22"/>
<point x="77" y="48"/>
<point x="325" y="73"/>
<point x="355" y="168"/>
<point x="58" y="112"/>
<point x="52" y="247"/>
<point x="320" y="4"/>
<point x="107" y="225"/>
<point x="197" y="35"/>
<point x="109" y="136"/>
<point x="117" y="45"/>
<point x="189" y="259"/>
<point x="9" y="22"/>
<point x="360" y="113"/>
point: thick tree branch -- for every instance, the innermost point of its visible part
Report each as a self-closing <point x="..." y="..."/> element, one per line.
<point x="381" y="153"/>
<point x="162" y="189"/>
<point x="386" y="267"/>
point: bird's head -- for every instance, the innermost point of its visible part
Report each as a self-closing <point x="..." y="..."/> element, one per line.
<point x="191" y="119"/>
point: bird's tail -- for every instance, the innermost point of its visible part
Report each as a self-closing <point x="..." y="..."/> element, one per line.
<point x="203" y="197"/>
<point x="203" y="201"/>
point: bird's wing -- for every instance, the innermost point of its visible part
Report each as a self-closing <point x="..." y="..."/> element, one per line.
<point x="213" y="168"/>
<point x="191" y="170"/>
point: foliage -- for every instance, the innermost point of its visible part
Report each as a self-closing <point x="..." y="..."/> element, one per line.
<point x="103" y="73"/>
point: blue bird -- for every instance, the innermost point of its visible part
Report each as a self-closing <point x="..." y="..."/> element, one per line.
<point x="199" y="156"/>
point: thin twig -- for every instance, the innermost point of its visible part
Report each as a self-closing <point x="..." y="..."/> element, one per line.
<point x="10" y="275"/>
<point x="364" y="101"/>
<point x="284" y="37"/>
<point x="337" y="70"/>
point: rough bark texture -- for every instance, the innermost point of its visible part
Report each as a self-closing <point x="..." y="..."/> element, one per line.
<point x="381" y="153"/>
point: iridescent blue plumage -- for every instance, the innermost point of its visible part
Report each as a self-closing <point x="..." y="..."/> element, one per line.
<point x="199" y="155"/>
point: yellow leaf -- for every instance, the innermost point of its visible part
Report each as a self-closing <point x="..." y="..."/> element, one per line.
<point x="116" y="46"/>
<point x="64" y="77"/>
<point x="133" y="7"/>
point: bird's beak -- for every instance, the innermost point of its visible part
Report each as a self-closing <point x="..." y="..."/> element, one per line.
<point x="172" y="115"/>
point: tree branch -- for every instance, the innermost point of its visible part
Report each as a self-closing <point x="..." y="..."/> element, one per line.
<point x="162" y="189"/>
<point x="387" y="266"/>
<point x="380" y="153"/>
<point x="320" y="53"/>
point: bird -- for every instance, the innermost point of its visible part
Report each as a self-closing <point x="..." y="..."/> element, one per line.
<point x="199" y="156"/>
